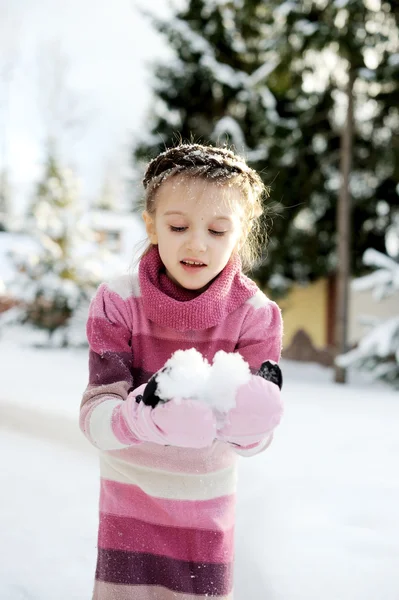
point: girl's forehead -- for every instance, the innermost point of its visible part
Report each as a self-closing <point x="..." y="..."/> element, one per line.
<point x="199" y="193"/>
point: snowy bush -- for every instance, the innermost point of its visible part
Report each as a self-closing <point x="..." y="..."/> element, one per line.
<point x="54" y="283"/>
<point x="378" y="350"/>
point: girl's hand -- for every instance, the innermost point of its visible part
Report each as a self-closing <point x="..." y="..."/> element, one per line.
<point x="184" y="423"/>
<point x="258" y="409"/>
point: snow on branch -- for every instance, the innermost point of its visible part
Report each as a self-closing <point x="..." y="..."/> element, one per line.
<point x="229" y="126"/>
<point x="262" y="72"/>
<point x="373" y="258"/>
<point x="384" y="281"/>
<point x="378" y="350"/>
<point x="381" y="341"/>
<point x="285" y="8"/>
<point x="368" y="282"/>
<point x="222" y="72"/>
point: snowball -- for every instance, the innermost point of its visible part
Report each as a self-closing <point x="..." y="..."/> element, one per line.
<point x="229" y="371"/>
<point x="185" y="376"/>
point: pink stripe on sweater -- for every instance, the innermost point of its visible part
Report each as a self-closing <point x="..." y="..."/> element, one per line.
<point x="113" y="338"/>
<point x="126" y="500"/>
<point x="111" y="306"/>
<point x="162" y="350"/>
<point x="188" y="544"/>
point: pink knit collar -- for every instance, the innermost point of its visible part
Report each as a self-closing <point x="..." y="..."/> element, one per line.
<point x="166" y="304"/>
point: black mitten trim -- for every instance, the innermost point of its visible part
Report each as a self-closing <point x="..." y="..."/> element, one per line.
<point x="270" y="371"/>
<point x="150" y="396"/>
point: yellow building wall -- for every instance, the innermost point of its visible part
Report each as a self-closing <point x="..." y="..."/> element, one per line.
<point x="305" y="307"/>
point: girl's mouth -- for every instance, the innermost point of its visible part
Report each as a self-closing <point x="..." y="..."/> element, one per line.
<point x="192" y="264"/>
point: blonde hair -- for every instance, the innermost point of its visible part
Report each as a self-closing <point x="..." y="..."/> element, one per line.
<point x="216" y="165"/>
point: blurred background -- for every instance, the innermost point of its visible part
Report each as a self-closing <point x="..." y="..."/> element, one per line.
<point x="308" y="91"/>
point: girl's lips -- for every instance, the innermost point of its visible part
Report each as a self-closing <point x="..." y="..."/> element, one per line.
<point x="194" y="262"/>
<point x="189" y="259"/>
<point x="191" y="267"/>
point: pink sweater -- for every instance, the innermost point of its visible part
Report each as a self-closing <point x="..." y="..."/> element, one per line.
<point x="166" y="513"/>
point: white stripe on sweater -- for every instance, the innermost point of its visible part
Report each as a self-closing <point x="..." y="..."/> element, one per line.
<point x="259" y="300"/>
<point x="100" y="426"/>
<point x="125" y="286"/>
<point x="166" y="484"/>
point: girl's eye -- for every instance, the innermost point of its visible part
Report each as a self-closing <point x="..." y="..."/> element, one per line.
<point x="213" y="232"/>
<point x="177" y="228"/>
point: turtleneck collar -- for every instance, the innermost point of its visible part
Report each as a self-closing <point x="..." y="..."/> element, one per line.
<point x="167" y="304"/>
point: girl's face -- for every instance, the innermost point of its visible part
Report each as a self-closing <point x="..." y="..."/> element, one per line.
<point x="197" y="226"/>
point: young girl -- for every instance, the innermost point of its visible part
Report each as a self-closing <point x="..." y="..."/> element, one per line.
<point x="168" y="469"/>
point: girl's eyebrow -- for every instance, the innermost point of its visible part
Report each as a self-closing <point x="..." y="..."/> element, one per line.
<point x="183" y="214"/>
<point x="174" y="212"/>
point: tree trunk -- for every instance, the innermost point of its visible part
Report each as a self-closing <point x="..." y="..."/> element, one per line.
<point x="343" y="231"/>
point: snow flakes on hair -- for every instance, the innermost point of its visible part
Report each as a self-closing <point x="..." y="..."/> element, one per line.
<point x="219" y="164"/>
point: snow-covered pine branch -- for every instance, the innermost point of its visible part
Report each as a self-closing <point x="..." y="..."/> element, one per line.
<point x="378" y="351"/>
<point x="227" y="126"/>
<point x="385" y="280"/>
<point x="222" y="73"/>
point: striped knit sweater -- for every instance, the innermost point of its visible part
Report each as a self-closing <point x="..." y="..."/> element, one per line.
<point x="166" y="522"/>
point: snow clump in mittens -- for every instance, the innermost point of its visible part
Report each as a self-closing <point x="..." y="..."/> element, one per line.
<point x="229" y="371"/>
<point x="187" y="374"/>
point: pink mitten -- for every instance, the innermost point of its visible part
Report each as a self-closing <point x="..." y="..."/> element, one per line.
<point x="184" y="423"/>
<point x="257" y="412"/>
<point x="187" y="423"/>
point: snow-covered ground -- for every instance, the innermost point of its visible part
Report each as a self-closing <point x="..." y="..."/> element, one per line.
<point x="318" y="513"/>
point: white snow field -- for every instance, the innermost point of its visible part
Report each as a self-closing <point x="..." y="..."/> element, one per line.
<point x="317" y="514"/>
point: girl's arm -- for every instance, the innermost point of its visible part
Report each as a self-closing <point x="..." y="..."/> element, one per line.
<point x="109" y="331"/>
<point x="262" y="332"/>
<point x="259" y="409"/>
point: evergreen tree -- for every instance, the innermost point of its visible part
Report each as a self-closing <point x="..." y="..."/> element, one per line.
<point x="378" y="351"/>
<point x="53" y="282"/>
<point x="363" y="34"/>
<point x="250" y="73"/>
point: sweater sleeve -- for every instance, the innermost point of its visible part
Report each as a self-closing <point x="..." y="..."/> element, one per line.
<point x="109" y="333"/>
<point x="262" y="332"/>
<point x="260" y="340"/>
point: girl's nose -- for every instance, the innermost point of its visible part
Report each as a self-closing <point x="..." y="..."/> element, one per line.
<point x="196" y="243"/>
